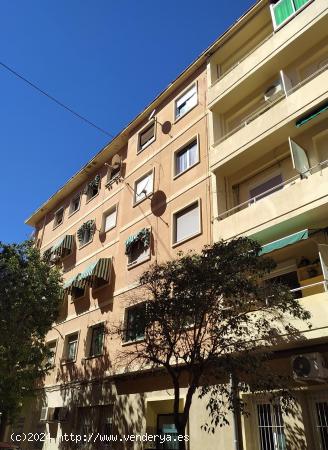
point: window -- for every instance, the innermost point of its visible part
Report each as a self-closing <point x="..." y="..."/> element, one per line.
<point x="97" y="340"/>
<point x="186" y="102"/>
<point x="51" y="358"/>
<point x="85" y="232"/>
<point x="322" y="422"/>
<point x="137" y="247"/>
<point x="283" y="9"/>
<point x="77" y="292"/>
<point x="71" y="350"/>
<point x="146" y="136"/>
<point x="186" y="158"/>
<point x="59" y="217"/>
<point x="186" y="223"/>
<point x="109" y="219"/>
<point x="135" y="322"/>
<point x="92" y="188"/>
<point x="262" y="189"/>
<point x="75" y="204"/>
<point x="167" y="432"/>
<point x="271" y="427"/>
<point x="143" y="187"/>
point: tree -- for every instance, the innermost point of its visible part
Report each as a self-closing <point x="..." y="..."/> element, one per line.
<point x="30" y="292"/>
<point x="209" y="316"/>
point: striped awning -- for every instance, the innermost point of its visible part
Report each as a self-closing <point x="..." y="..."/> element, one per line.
<point x="98" y="269"/>
<point x="64" y="243"/>
<point x="73" y="282"/>
<point x="284" y="242"/>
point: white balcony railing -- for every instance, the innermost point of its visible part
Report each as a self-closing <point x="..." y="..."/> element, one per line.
<point x="268" y="105"/>
<point x="308" y="286"/>
<point x="320" y="166"/>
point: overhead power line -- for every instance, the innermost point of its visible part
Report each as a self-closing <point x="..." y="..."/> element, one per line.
<point x="50" y="97"/>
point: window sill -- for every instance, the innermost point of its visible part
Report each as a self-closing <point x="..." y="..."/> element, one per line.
<point x="57" y="226"/>
<point x="186" y="170"/>
<point x="186" y="239"/>
<point x="97" y="289"/>
<point x="73" y="212"/>
<point x="140" y="150"/>
<point x="84" y="245"/>
<point x="135" y="341"/>
<point x="90" y="199"/>
<point x="146" y="197"/>
<point x="137" y="263"/>
<point x="67" y="362"/>
<point x="88" y="358"/>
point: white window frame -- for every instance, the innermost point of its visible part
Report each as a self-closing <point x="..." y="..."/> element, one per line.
<point x="140" y="148"/>
<point x="65" y="359"/>
<point x="185" y="92"/>
<point x="75" y="197"/>
<point x="272" y="6"/>
<point x="109" y="211"/>
<point x="181" y="149"/>
<point x="56" y="224"/>
<point x="174" y="223"/>
<point x="145" y="175"/>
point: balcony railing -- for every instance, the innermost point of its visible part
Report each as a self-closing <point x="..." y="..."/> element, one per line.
<point x="286" y="183"/>
<point x="268" y="105"/>
<point x="245" y="56"/>
<point x="308" y="286"/>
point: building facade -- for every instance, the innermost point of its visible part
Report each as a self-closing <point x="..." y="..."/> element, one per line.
<point x="236" y="145"/>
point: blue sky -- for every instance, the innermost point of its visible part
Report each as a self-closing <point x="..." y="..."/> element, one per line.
<point x="107" y="60"/>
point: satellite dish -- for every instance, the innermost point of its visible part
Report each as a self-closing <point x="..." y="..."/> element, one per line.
<point x="158" y="203"/>
<point x="166" y="127"/>
<point x="116" y="161"/>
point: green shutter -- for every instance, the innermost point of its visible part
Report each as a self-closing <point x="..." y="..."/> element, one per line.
<point x="299" y="3"/>
<point x="282" y="10"/>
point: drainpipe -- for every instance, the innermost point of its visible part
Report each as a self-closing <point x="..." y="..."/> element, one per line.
<point x="237" y="445"/>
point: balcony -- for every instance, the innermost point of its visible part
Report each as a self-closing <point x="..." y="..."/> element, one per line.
<point x="302" y="265"/>
<point x="270" y="124"/>
<point x="297" y="202"/>
<point x="276" y="49"/>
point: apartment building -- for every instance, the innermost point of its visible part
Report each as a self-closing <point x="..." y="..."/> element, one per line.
<point x="236" y="145"/>
<point x="141" y="199"/>
<point x="268" y="122"/>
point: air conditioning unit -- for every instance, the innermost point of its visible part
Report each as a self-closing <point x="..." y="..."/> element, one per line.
<point x="273" y="92"/>
<point x="309" y="367"/>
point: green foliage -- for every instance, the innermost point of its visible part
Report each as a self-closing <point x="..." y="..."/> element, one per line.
<point x="211" y="315"/>
<point x="30" y="292"/>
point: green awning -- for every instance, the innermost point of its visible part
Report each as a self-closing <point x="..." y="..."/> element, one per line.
<point x="64" y="243"/>
<point x="98" y="269"/>
<point x="73" y="282"/>
<point x="314" y="113"/>
<point x="283" y="242"/>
